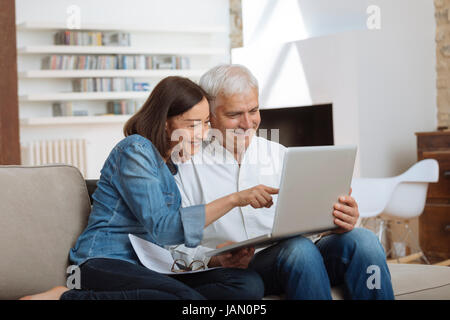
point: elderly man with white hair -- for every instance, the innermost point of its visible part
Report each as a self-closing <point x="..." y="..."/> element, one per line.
<point x="236" y="159"/>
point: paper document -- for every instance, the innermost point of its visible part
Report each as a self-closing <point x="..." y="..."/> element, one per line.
<point x="154" y="257"/>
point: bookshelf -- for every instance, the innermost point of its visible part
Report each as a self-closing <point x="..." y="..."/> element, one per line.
<point x="54" y="74"/>
<point x="58" y="121"/>
<point x="66" y="49"/>
<point x="55" y="26"/>
<point x="81" y="96"/>
<point x="40" y="88"/>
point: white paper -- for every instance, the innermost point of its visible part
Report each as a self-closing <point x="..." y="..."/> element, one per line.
<point x="154" y="257"/>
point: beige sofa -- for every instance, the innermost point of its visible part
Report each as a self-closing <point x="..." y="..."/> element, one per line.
<point x="43" y="210"/>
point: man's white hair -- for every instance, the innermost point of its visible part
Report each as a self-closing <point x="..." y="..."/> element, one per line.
<point x="227" y="80"/>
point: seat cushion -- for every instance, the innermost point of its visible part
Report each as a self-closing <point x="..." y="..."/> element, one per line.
<point x="43" y="210"/>
<point x="410" y="282"/>
<point x="420" y="282"/>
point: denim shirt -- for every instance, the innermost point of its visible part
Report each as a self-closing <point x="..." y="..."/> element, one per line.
<point x="136" y="194"/>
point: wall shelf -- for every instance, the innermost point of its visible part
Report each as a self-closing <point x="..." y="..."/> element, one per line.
<point x="100" y="73"/>
<point x="79" y="96"/>
<point x="50" y="26"/>
<point x="66" y="49"/>
<point x="203" y="45"/>
<point x="82" y="120"/>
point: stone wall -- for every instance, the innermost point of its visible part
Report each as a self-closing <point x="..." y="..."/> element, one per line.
<point x="236" y="38"/>
<point x="443" y="61"/>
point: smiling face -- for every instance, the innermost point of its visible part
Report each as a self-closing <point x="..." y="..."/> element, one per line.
<point x="190" y="127"/>
<point x="237" y="118"/>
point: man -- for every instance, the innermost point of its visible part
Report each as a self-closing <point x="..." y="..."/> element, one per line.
<point x="300" y="268"/>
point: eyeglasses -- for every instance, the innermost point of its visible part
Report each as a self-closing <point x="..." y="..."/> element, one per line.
<point x="179" y="265"/>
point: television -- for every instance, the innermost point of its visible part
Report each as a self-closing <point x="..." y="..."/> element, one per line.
<point x="300" y="126"/>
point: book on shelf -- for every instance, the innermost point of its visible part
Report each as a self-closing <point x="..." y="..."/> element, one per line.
<point x="108" y="85"/>
<point x="121" y="107"/>
<point x="91" y="38"/>
<point x="140" y="62"/>
<point x="170" y="62"/>
<point x="114" y="62"/>
<point x="62" y="109"/>
<point x="80" y="113"/>
<point x="141" y="86"/>
<point x="65" y="109"/>
<point x="79" y="62"/>
<point x="116" y="39"/>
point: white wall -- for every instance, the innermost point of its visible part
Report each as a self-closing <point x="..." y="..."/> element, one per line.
<point x="381" y="82"/>
<point x="159" y="13"/>
<point x="396" y="87"/>
<point x="272" y="21"/>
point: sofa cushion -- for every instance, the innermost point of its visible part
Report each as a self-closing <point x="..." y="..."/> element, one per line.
<point x="43" y="211"/>
<point x="420" y="282"/>
<point x="410" y="282"/>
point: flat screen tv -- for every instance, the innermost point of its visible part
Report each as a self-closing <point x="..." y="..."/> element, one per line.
<point x="300" y="126"/>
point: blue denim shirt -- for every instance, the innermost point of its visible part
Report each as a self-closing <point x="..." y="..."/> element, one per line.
<point x="136" y="194"/>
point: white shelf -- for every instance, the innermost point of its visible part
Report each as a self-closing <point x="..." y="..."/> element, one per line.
<point x="82" y="120"/>
<point x="37" y="74"/>
<point x="78" y="96"/>
<point x="55" y="26"/>
<point x="183" y="46"/>
<point x="63" y="49"/>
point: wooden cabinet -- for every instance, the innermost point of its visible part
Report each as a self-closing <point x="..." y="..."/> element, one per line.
<point x="434" y="223"/>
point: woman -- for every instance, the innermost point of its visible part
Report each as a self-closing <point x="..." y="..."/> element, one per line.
<point x="137" y="194"/>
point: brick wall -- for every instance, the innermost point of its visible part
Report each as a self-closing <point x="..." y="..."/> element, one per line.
<point x="442" y="15"/>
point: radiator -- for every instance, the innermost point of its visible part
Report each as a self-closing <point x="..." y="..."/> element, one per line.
<point x="68" y="151"/>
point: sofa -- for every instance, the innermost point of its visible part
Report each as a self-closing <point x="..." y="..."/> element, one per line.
<point x="43" y="209"/>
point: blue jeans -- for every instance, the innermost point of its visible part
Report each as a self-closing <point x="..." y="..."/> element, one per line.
<point x="304" y="270"/>
<point x="113" y="279"/>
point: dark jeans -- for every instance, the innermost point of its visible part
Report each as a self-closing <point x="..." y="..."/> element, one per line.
<point x="304" y="270"/>
<point x="113" y="279"/>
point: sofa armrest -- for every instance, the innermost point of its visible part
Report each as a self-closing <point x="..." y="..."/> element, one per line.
<point x="91" y="185"/>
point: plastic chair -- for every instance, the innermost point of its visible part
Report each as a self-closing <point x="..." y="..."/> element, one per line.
<point x="401" y="197"/>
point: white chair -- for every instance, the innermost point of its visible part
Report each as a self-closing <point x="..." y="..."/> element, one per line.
<point x="401" y="197"/>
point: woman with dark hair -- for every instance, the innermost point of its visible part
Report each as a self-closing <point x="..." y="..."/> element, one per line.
<point x="137" y="194"/>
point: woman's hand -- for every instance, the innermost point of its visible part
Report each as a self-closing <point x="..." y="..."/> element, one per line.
<point x="257" y="197"/>
<point x="239" y="258"/>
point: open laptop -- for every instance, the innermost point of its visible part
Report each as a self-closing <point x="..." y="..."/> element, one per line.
<point x="312" y="180"/>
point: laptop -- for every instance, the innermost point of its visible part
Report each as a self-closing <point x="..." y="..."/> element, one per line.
<point x="312" y="180"/>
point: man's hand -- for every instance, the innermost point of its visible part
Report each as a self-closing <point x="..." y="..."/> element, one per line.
<point x="346" y="213"/>
<point x="239" y="258"/>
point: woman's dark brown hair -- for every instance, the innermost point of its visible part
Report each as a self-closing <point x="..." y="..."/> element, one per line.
<point x="172" y="96"/>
